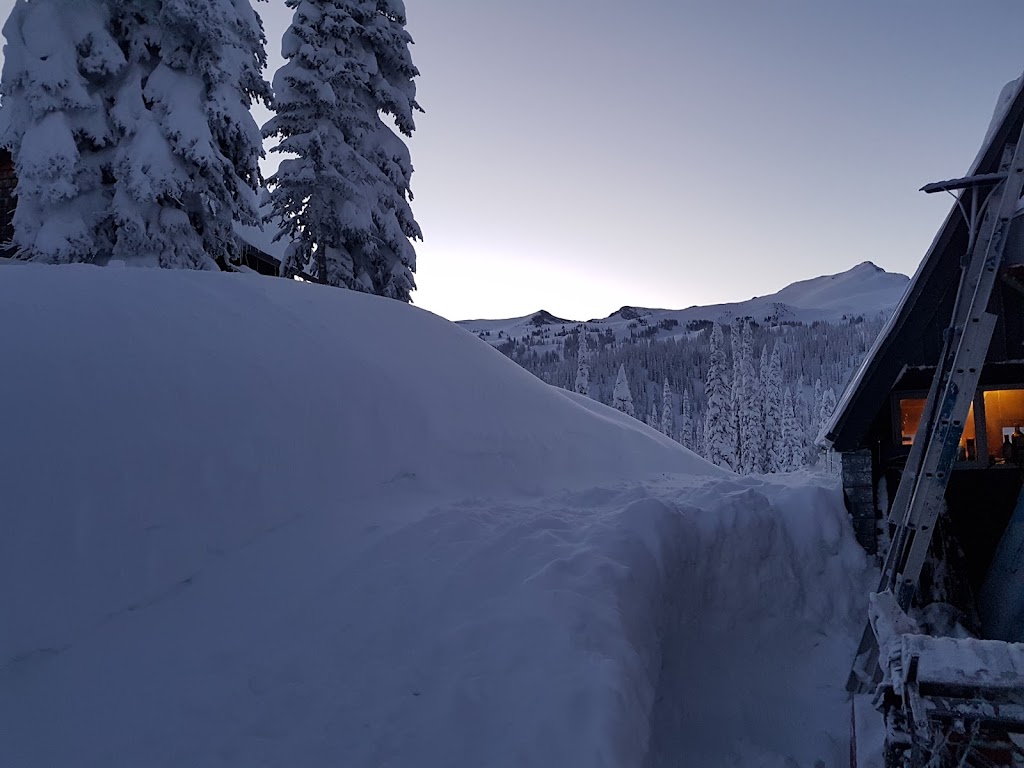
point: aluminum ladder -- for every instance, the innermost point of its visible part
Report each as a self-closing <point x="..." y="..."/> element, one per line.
<point x="988" y="203"/>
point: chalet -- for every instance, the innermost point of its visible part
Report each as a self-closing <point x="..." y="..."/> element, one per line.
<point x="924" y="349"/>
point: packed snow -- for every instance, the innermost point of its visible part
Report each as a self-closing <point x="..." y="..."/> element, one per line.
<point x="250" y="521"/>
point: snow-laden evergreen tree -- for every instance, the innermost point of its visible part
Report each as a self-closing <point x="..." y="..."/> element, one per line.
<point x="766" y="448"/>
<point x="804" y="420"/>
<point x="828" y="405"/>
<point x="582" y="385"/>
<point x="344" y="196"/>
<point x="57" y="126"/>
<point x="751" y="417"/>
<point x="815" y="421"/>
<point x="776" y="452"/>
<point x="686" y="433"/>
<point x="718" y="436"/>
<point x="791" y="448"/>
<point x="736" y="394"/>
<point x="668" y="426"/>
<point x="622" y="398"/>
<point x="129" y="125"/>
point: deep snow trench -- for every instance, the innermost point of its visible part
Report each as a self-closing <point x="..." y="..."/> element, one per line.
<point x="763" y="626"/>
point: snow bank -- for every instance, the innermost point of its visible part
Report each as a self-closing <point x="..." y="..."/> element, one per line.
<point x="161" y="417"/>
<point x="252" y="522"/>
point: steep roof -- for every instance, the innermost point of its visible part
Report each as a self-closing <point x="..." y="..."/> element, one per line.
<point x="926" y="299"/>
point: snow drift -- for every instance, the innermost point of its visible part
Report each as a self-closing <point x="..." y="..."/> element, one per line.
<point x="249" y="521"/>
<point x="162" y="415"/>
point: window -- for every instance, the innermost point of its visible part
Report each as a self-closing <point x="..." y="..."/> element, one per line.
<point x="912" y="409"/>
<point x="1004" y="415"/>
<point x="911" y="412"/>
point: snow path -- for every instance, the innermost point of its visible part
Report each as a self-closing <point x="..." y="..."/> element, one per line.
<point x="754" y="670"/>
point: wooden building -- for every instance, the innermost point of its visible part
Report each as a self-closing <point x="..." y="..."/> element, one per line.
<point x="878" y="417"/>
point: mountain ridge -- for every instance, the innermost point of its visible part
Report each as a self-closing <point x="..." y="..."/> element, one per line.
<point x="865" y="289"/>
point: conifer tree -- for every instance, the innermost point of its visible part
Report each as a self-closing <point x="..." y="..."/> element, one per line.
<point x="652" y="418"/>
<point x="775" y="457"/>
<point x="129" y="125"/>
<point x="828" y="405"/>
<point x="582" y="385"/>
<point x="804" y="421"/>
<point x="344" y="196"/>
<point x="736" y="394"/>
<point x="790" y="448"/>
<point x="718" y="442"/>
<point x="815" y="414"/>
<point x="751" y="423"/>
<point x="622" y="398"/>
<point x="668" y="426"/>
<point x="686" y="432"/>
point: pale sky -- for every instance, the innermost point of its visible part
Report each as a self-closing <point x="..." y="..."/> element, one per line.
<point x="579" y="155"/>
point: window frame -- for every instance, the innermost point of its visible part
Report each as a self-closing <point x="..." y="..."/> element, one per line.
<point x="980" y="425"/>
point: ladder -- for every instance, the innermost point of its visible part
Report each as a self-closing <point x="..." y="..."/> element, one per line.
<point x="993" y="199"/>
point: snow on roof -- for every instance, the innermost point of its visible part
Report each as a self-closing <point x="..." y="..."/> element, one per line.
<point x="262" y="236"/>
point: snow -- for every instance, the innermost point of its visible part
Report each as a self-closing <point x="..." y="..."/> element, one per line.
<point x="241" y="533"/>
<point x="262" y="235"/>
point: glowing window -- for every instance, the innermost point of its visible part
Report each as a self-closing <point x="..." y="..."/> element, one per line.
<point x="1004" y="415"/>
<point x="911" y="411"/>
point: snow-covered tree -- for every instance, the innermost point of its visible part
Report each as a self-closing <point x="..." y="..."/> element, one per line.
<point x="828" y="405"/>
<point x="791" y="448"/>
<point x="344" y="196"/>
<point x="718" y="441"/>
<point x="582" y="385"/>
<point x="668" y="426"/>
<point x="57" y="127"/>
<point x="129" y="125"/>
<point x="736" y="394"/>
<point x="686" y="434"/>
<point x="804" y="420"/>
<point x="815" y="415"/>
<point x="751" y="418"/>
<point x="622" y="398"/>
<point x="775" y="453"/>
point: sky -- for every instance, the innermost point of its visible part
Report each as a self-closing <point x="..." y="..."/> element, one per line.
<point x="582" y="155"/>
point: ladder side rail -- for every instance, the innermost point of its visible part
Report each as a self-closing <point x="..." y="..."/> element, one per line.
<point x="972" y="264"/>
<point x="901" y="508"/>
<point x="973" y="293"/>
<point x="905" y="548"/>
<point x="928" y="501"/>
<point x="866" y="659"/>
<point x="975" y="336"/>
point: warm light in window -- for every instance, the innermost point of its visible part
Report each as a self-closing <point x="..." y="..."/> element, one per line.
<point x="1004" y="413"/>
<point x="911" y="412"/>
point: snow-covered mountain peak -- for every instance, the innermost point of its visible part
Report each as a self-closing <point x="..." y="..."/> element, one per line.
<point x="543" y="317"/>
<point x="863" y="290"/>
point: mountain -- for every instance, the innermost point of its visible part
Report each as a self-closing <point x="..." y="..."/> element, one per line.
<point x="821" y="327"/>
<point x="865" y="290"/>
